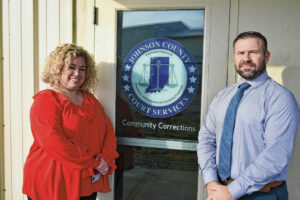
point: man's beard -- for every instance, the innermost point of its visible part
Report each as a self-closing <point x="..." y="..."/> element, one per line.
<point x="249" y="74"/>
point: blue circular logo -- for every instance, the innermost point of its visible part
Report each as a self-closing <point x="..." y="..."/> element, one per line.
<point x="159" y="77"/>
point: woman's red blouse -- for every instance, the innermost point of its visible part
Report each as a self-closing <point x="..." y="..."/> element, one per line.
<point x="67" y="138"/>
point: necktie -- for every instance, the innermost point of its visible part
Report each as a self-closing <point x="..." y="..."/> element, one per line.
<point x="228" y="128"/>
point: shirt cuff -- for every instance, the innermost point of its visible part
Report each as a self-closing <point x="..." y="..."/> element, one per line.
<point x="236" y="189"/>
<point x="209" y="176"/>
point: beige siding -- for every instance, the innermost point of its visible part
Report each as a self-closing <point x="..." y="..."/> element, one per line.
<point x="1" y="114"/>
<point x="30" y="31"/>
<point x="13" y="94"/>
<point x="6" y="100"/>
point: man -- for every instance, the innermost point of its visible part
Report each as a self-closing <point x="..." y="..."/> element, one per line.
<point x="263" y="130"/>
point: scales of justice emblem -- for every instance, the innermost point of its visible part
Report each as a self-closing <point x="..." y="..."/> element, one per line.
<point x="159" y="77"/>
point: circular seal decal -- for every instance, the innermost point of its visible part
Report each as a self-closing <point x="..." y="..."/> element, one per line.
<point x="159" y="77"/>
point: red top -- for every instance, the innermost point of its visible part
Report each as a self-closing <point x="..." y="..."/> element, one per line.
<point x="67" y="137"/>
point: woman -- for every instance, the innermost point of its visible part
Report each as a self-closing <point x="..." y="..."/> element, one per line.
<point x="74" y="144"/>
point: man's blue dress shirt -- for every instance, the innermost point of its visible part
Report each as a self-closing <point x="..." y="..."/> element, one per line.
<point x="266" y="125"/>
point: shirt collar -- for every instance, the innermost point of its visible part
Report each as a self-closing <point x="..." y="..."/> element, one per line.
<point x="257" y="81"/>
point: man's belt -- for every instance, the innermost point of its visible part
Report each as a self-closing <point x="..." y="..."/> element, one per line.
<point x="269" y="186"/>
<point x="266" y="188"/>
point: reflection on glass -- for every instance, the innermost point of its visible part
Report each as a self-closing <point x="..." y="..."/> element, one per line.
<point x="192" y="18"/>
<point x="149" y="173"/>
<point x="134" y="27"/>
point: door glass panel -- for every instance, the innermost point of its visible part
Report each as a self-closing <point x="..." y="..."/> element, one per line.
<point x="151" y="173"/>
<point x="159" y="77"/>
<point x="181" y="30"/>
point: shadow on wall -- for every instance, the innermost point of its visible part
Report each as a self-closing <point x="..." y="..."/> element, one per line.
<point x="105" y="92"/>
<point x="291" y="80"/>
<point x="105" y="89"/>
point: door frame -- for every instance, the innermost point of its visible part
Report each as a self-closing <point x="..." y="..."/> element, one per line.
<point x="101" y="39"/>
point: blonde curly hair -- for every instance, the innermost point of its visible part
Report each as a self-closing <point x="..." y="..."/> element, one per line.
<point x="62" y="56"/>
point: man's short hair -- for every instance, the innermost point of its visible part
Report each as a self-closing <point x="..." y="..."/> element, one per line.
<point x="252" y="34"/>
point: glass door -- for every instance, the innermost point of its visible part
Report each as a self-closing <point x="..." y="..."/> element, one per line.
<point x="161" y="63"/>
<point x="158" y="98"/>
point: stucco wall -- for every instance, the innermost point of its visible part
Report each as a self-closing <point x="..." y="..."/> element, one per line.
<point x="279" y="22"/>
